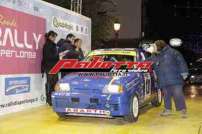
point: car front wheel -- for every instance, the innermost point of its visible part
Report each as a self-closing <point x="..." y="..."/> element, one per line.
<point x="133" y="110"/>
<point x="158" y="99"/>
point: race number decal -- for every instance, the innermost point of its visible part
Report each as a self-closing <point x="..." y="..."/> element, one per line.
<point x="147" y="87"/>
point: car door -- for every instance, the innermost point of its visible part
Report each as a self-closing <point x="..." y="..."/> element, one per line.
<point x="147" y="80"/>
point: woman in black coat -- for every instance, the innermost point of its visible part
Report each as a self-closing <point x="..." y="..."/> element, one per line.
<point x="50" y="58"/>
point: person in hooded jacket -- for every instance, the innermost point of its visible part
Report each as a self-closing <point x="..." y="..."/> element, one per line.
<point x="171" y="70"/>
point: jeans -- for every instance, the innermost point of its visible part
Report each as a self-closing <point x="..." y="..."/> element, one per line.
<point x="175" y="91"/>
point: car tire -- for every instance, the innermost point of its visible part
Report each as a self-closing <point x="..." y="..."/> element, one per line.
<point x="133" y="110"/>
<point x="61" y="115"/>
<point x="158" y="99"/>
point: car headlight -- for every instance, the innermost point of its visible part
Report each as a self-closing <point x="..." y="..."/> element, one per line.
<point x="113" y="89"/>
<point x="62" y="87"/>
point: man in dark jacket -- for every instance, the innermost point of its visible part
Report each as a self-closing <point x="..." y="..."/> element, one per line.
<point x="171" y="70"/>
<point x="67" y="45"/>
<point x="50" y="58"/>
<point x="67" y="50"/>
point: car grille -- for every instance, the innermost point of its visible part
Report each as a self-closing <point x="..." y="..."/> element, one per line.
<point x="94" y="100"/>
<point x="75" y="100"/>
<point x="61" y="103"/>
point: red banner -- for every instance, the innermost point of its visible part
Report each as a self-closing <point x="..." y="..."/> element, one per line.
<point x="21" y="42"/>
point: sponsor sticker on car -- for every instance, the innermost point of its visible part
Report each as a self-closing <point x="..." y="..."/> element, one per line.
<point x="17" y="85"/>
<point x="87" y="111"/>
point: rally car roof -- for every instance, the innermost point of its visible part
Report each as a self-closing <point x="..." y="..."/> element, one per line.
<point x="106" y="49"/>
<point x="115" y="51"/>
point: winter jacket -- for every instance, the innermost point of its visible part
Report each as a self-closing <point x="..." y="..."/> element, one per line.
<point x="50" y="56"/>
<point x="170" y="67"/>
<point x="66" y="45"/>
<point x="72" y="54"/>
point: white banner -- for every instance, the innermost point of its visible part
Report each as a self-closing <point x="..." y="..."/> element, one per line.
<point x="20" y="92"/>
<point x="22" y="25"/>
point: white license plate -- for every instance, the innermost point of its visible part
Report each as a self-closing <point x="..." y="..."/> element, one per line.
<point x="87" y="111"/>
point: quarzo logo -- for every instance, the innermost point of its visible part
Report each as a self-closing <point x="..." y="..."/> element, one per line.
<point x="66" y="25"/>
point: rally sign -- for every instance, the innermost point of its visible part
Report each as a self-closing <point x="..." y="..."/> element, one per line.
<point x="23" y="25"/>
<point x="21" y="42"/>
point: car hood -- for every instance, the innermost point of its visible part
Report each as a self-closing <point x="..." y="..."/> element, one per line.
<point x="86" y="83"/>
<point x="96" y="84"/>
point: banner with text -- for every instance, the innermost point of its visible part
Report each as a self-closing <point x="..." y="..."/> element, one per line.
<point x="23" y="25"/>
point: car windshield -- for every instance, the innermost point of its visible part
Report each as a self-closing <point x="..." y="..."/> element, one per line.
<point x="114" y="58"/>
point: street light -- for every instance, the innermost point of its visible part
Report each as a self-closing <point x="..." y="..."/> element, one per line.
<point x="117" y="27"/>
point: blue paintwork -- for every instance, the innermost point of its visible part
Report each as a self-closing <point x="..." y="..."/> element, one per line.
<point x="85" y="88"/>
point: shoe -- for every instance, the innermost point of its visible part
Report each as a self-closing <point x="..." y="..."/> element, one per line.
<point x="183" y="113"/>
<point x="166" y="112"/>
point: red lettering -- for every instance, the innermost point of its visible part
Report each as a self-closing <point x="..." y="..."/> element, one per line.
<point x="96" y="60"/>
<point x="63" y="64"/>
<point x="118" y="65"/>
<point x="98" y="63"/>
<point x="131" y="65"/>
<point x="81" y="65"/>
<point x="145" y="65"/>
<point x="106" y="65"/>
<point x="57" y="67"/>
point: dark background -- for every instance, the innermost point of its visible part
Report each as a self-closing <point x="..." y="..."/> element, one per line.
<point x="174" y="18"/>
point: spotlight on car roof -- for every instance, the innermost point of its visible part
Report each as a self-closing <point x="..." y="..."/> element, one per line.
<point x="175" y="42"/>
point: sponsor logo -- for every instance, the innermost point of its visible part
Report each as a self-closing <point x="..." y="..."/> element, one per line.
<point x="10" y="36"/>
<point x="66" y="25"/>
<point x="20" y="41"/>
<point x="87" y="111"/>
<point x="59" y="23"/>
<point x="17" y="85"/>
<point x="98" y="64"/>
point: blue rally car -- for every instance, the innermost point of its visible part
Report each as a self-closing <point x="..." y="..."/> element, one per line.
<point x="107" y="96"/>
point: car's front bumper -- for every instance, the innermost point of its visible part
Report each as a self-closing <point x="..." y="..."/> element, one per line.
<point x="108" y="105"/>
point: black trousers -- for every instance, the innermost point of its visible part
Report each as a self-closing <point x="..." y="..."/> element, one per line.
<point x="51" y="81"/>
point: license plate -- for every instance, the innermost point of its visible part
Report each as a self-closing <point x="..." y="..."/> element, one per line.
<point x="87" y="111"/>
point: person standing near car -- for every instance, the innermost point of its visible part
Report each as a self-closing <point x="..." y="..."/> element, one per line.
<point x="171" y="70"/>
<point x="49" y="60"/>
<point x="78" y="43"/>
<point x="66" y="45"/>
